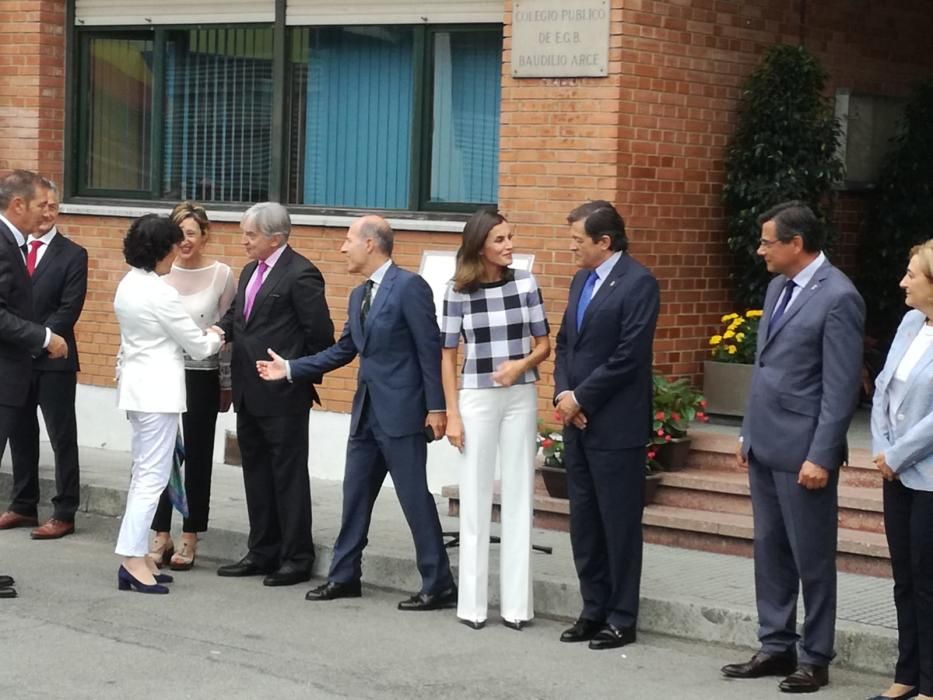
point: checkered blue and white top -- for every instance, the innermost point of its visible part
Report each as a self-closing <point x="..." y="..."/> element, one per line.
<point x="497" y="323"/>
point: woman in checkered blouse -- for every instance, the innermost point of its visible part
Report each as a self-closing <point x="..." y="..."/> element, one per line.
<point x="500" y="315"/>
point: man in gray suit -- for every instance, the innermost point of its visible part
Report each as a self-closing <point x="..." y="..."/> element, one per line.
<point x="803" y="394"/>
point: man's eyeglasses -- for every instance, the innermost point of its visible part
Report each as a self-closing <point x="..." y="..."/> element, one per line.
<point x="765" y="243"/>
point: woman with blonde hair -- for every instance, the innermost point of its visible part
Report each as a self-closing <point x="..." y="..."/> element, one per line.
<point x="902" y="441"/>
<point x="500" y="315"/>
<point x="207" y="289"/>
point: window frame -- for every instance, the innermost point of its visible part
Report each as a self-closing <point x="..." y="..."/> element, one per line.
<point x="77" y="134"/>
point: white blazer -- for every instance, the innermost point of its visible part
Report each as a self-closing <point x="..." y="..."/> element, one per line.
<point x="154" y="329"/>
<point x="908" y="443"/>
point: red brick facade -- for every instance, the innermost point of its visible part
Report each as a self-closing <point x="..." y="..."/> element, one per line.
<point x="649" y="137"/>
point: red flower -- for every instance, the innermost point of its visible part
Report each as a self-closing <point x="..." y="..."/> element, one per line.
<point x="702" y="403"/>
<point x="667" y="438"/>
<point x="659" y="415"/>
<point x="651" y="454"/>
<point x="547" y="443"/>
<point x="702" y="417"/>
<point x="660" y="431"/>
<point x="675" y="416"/>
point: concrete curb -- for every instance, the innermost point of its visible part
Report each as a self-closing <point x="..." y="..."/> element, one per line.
<point x="859" y="647"/>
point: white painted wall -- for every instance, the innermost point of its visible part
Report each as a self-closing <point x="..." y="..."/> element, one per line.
<point x="101" y="425"/>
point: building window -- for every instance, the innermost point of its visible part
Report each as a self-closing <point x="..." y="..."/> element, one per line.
<point x="390" y="117"/>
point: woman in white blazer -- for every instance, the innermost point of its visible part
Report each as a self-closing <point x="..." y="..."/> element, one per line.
<point x="155" y="329"/>
<point x="902" y="441"/>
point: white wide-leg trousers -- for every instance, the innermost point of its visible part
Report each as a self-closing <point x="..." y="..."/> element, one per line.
<point x="500" y="421"/>
<point x="153" y="444"/>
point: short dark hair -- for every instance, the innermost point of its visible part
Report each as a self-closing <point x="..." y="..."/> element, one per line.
<point x="795" y="218"/>
<point x="600" y="219"/>
<point x="149" y="239"/>
<point x="19" y="183"/>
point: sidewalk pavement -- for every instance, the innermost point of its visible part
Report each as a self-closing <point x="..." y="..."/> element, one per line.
<point x="689" y="594"/>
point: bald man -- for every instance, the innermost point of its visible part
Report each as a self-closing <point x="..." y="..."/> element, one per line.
<point x="399" y="403"/>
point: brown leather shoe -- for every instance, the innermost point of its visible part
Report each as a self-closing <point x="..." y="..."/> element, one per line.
<point x="9" y="520"/>
<point x="762" y="664"/>
<point x="52" y="529"/>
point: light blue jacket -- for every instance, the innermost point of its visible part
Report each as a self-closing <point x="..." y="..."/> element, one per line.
<point x="908" y="444"/>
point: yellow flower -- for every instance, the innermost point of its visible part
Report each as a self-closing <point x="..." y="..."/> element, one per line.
<point x="728" y="317"/>
<point x="715" y="340"/>
<point x="739" y="337"/>
<point x="728" y="334"/>
<point x="754" y="313"/>
<point x="732" y="349"/>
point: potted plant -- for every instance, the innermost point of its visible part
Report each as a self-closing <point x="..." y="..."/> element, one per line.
<point x="675" y="404"/>
<point x="727" y="376"/>
<point x="551" y="450"/>
<point x="554" y="475"/>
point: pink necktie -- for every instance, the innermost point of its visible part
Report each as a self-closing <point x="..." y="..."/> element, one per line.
<point x="253" y="288"/>
<point x="33" y="256"/>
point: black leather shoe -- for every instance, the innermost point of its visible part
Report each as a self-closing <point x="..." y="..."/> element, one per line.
<point x="6" y="581"/>
<point x="247" y="566"/>
<point x="473" y="624"/>
<point x="431" y="601"/>
<point x="288" y="575"/>
<point x="583" y="630"/>
<point x="808" y="678"/>
<point x="612" y="637"/>
<point x="906" y="696"/>
<point x="7" y="592"/>
<point x="762" y="664"/>
<point x="333" y="590"/>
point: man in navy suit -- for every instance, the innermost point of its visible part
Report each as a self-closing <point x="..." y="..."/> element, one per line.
<point x="603" y="392"/>
<point x="58" y="271"/>
<point x="23" y="201"/>
<point x="392" y="326"/>
<point x="804" y="391"/>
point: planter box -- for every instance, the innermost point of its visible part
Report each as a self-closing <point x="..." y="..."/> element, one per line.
<point x="726" y="386"/>
<point x="555" y="480"/>
<point x="672" y="456"/>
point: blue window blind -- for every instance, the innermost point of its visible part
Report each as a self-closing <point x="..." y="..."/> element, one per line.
<point x="218" y="115"/>
<point x="465" y="134"/>
<point x="358" y="111"/>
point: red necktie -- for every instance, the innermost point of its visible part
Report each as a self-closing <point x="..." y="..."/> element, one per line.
<point x="32" y="256"/>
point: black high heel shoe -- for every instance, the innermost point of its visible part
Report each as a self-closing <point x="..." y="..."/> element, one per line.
<point x="126" y="581"/>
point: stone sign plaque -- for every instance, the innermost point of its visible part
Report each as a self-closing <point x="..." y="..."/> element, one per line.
<point x="560" y="38"/>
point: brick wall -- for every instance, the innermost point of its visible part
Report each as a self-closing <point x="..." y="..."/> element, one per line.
<point x="650" y="137"/>
<point x="32" y="85"/>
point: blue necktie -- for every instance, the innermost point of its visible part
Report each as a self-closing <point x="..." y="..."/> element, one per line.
<point x="586" y="296"/>
<point x="782" y="307"/>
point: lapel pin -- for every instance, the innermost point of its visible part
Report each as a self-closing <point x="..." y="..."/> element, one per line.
<point x="612" y="284"/>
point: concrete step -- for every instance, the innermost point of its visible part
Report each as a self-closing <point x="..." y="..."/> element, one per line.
<point x="716" y="452"/>
<point x="860" y="508"/>
<point x="859" y="551"/>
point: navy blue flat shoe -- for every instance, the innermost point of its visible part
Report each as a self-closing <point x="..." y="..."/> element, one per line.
<point x="126" y="581"/>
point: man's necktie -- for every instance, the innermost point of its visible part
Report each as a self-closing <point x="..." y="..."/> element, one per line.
<point x="32" y="256"/>
<point x="367" y="301"/>
<point x="586" y="296"/>
<point x="253" y="288"/>
<point x="782" y="307"/>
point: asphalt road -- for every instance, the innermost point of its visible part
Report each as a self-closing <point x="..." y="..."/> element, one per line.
<point x="72" y="634"/>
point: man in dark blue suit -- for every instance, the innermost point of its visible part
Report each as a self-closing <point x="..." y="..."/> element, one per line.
<point x="602" y="393"/>
<point x="392" y="326"/>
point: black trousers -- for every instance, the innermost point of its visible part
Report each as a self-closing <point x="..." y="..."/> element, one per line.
<point x="908" y="522"/>
<point x="607" y="495"/>
<point x="54" y="393"/>
<point x="197" y="423"/>
<point x="277" y="485"/>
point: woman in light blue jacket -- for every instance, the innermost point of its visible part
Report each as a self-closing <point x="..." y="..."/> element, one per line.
<point x="902" y="441"/>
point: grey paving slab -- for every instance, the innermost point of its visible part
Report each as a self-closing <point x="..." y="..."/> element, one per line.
<point x="685" y="593"/>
